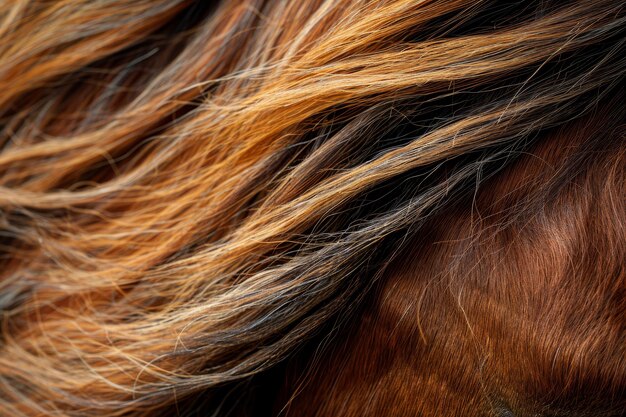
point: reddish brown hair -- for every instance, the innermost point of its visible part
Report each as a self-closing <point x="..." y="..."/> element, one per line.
<point x="385" y="207"/>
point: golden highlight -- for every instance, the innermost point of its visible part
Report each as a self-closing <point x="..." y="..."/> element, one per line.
<point x="315" y="207"/>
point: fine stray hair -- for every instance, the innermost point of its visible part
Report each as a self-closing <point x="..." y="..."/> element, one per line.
<point x="312" y="208"/>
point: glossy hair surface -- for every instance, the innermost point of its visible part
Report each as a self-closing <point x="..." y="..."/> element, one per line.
<point x="329" y="208"/>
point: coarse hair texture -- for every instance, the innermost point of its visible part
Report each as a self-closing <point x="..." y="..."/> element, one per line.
<point x="312" y="207"/>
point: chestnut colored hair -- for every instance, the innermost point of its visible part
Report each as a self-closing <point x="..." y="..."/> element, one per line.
<point x="312" y="208"/>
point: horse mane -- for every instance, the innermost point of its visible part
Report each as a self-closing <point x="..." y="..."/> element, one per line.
<point x="312" y="208"/>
